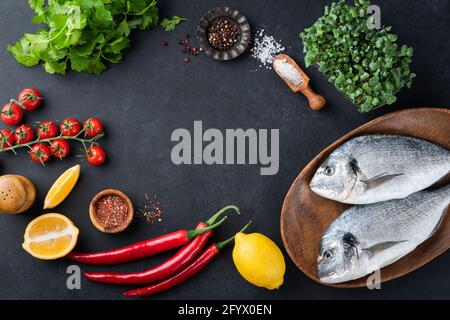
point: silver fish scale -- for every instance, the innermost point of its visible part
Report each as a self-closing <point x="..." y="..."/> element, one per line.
<point x="412" y="220"/>
<point x="371" y="152"/>
<point x="420" y="163"/>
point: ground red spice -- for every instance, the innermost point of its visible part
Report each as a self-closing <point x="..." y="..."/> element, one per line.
<point x="111" y="211"/>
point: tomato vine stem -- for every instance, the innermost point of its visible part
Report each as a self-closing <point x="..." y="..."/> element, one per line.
<point x="75" y="138"/>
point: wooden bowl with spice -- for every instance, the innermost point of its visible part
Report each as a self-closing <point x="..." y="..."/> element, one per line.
<point x="111" y="211"/>
<point x="223" y="33"/>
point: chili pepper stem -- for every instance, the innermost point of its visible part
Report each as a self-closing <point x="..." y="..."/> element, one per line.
<point x="194" y="233"/>
<point x="213" y="219"/>
<point x="222" y="244"/>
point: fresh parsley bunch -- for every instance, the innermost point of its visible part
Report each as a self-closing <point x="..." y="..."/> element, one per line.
<point x="82" y="33"/>
<point x="367" y="65"/>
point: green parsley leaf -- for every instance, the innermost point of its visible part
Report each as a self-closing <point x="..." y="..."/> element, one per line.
<point x="23" y="54"/>
<point x="37" y="6"/>
<point x="170" y="24"/>
<point x="55" y="67"/>
<point x="79" y="62"/>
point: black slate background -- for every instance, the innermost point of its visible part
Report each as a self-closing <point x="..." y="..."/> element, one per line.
<point x="152" y="92"/>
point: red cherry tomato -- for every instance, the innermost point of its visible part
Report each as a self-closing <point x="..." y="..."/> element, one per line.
<point x="12" y="114"/>
<point x="40" y="153"/>
<point x="47" y="129"/>
<point x="70" y="127"/>
<point x="92" y="127"/>
<point x="24" y="134"/>
<point x="7" y="138"/>
<point x="30" y="98"/>
<point x="96" y="155"/>
<point x="59" y="148"/>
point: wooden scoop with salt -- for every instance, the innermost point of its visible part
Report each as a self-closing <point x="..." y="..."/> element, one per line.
<point x="297" y="80"/>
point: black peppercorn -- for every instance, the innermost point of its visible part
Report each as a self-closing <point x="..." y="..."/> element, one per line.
<point x="222" y="34"/>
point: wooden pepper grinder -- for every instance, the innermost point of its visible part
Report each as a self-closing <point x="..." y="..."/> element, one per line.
<point x="17" y="194"/>
<point x="316" y="101"/>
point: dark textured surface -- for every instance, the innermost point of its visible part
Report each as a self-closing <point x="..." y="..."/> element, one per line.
<point x="152" y="92"/>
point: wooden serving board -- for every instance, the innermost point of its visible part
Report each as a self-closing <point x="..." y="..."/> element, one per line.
<point x="305" y="216"/>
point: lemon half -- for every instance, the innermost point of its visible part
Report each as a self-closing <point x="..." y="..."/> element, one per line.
<point x="50" y="236"/>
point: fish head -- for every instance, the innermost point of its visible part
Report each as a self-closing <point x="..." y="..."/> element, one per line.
<point x="339" y="257"/>
<point x="335" y="178"/>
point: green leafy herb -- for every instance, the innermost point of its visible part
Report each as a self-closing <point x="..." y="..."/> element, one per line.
<point x="170" y="24"/>
<point x="367" y="65"/>
<point x="82" y="34"/>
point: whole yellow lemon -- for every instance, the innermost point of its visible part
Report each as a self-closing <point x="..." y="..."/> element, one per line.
<point x="259" y="260"/>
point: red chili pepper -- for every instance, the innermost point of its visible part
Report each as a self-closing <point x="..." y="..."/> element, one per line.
<point x="202" y="261"/>
<point x="145" y="248"/>
<point x="176" y="263"/>
<point x="141" y="249"/>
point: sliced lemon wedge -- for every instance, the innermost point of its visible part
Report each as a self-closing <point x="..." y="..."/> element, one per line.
<point x="50" y="236"/>
<point x="62" y="187"/>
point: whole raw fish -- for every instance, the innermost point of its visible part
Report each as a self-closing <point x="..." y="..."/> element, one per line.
<point x="369" y="237"/>
<point x="374" y="168"/>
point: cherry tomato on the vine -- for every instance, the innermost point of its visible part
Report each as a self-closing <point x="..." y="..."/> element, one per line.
<point x="47" y="129"/>
<point x="7" y="138"/>
<point x="30" y="98"/>
<point x="12" y="114"/>
<point x="40" y="153"/>
<point x="96" y="155"/>
<point x="59" y="148"/>
<point x="70" y="127"/>
<point x="92" y="127"/>
<point x="24" y="134"/>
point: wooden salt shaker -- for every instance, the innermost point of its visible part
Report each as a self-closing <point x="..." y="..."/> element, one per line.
<point x="17" y="194"/>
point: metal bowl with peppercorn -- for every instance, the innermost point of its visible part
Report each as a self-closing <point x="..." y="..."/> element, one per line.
<point x="223" y="33"/>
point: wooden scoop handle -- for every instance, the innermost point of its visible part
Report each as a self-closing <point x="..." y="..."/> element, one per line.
<point x="316" y="101"/>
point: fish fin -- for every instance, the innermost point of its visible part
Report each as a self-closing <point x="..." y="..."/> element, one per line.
<point x="376" y="248"/>
<point x="357" y="252"/>
<point x="379" y="179"/>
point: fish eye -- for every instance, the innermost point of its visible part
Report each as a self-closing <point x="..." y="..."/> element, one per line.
<point x="328" y="171"/>
<point x="327" y="255"/>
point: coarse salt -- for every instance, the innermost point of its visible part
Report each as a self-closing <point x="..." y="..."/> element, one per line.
<point x="265" y="48"/>
<point x="288" y="71"/>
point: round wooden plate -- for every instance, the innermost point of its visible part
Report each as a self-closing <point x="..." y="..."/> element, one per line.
<point x="305" y="216"/>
